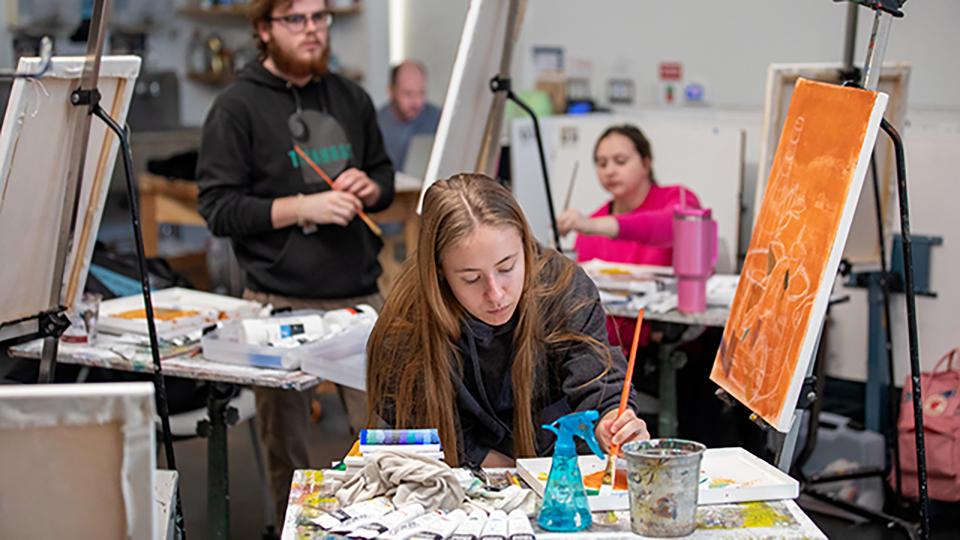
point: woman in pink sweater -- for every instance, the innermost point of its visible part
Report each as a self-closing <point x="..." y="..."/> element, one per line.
<point x="636" y="225"/>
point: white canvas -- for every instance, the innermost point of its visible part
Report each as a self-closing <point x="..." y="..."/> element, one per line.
<point x="78" y="461"/>
<point x="467" y="104"/>
<point x="34" y="146"/>
<point x="727" y="475"/>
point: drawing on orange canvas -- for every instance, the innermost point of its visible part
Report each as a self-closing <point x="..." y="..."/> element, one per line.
<point x="797" y="240"/>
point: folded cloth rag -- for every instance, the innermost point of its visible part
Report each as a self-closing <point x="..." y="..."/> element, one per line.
<point x="406" y="478"/>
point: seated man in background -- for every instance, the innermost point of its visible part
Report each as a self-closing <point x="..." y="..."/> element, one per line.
<point x="407" y="113"/>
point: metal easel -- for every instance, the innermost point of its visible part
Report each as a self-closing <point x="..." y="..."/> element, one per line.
<point x="884" y="11"/>
<point x="50" y="324"/>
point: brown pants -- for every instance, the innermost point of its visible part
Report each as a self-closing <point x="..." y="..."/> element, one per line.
<point x="284" y="415"/>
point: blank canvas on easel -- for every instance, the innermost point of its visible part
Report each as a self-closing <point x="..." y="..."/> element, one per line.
<point x="34" y="152"/>
<point x="797" y="241"/>
<point x="78" y="461"/>
<point x="460" y="133"/>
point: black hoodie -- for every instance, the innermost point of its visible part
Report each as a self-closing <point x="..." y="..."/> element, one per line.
<point x="247" y="160"/>
<point x="567" y="379"/>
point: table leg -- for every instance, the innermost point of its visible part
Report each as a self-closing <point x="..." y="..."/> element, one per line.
<point x="218" y="488"/>
<point x="667" y="420"/>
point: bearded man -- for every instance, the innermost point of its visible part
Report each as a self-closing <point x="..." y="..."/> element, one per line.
<point x="299" y="242"/>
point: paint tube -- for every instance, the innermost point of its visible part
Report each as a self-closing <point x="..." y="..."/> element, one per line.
<point x="496" y="526"/>
<point x="471" y="527"/>
<point x="293" y="342"/>
<point x="518" y="526"/>
<point x="441" y="528"/>
<point x="337" y="320"/>
<point x="412" y="527"/>
<point x="383" y="523"/>
<point x="336" y="518"/>
<point x="258" y="331"/>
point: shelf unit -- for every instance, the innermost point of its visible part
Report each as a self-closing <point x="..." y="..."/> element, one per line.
<point x="232" y="13"/>
<point x="240" y="10"/>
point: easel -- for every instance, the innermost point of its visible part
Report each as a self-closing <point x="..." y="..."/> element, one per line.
<point x="501" y="86"/>
<point x="884" y="11"/>
<point x="50" y="323"/>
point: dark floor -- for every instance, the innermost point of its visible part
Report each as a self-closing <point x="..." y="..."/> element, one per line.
<point x="330" y="441"/>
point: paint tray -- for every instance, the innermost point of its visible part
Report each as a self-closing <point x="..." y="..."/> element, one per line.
<point x="629" y="278"/>
<point x="727" y="475"/>
<point x="177" y="312"/>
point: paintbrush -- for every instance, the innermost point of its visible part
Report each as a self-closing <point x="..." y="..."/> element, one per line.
<point x="573" y="181"/>
<point x="366" y="219"/>
<point x="611" y="473"/>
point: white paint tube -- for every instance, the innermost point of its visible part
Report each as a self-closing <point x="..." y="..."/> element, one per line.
<point x="384" y="523"/>
<point x="496" y="526"/>
<point x="441" y="528"/>
<point x="471" y="528"/>
<point x="412" y="527"/>
<point x="335" y="518"/>
<point x="518" y="526"/>
<point x="259" y="331"/>
<point x="338" y="319"/>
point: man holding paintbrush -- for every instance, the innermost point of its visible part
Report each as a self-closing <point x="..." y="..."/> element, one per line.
<point x="290" y="160"/>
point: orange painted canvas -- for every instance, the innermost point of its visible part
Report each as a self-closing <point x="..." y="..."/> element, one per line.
<point x="797" y="241"/>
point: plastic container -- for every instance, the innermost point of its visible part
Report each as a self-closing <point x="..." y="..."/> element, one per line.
<point x="843" y="448"/>
<point x="339" y="355"/>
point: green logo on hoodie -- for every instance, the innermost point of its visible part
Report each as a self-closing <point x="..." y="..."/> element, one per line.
<point x="322" y="156"/>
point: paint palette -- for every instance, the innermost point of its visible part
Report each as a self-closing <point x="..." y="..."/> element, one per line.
<point x="632" y="278"/>
<point x="177" y="312"/>
<point x="727" y="475"/>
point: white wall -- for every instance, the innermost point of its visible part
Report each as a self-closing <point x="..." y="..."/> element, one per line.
<point x="431" y="34"/>
<point x="726" y="46"/>
<point x="930" y="143"/>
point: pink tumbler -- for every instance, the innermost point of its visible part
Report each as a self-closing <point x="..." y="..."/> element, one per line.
<point x="694" y="256"/>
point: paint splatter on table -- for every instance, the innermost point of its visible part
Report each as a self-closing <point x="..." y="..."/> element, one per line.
<point x="309" y="495"/>
<point x="108" y="353"/>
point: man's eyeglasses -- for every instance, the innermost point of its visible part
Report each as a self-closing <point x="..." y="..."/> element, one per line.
<point x="297" y="22"/>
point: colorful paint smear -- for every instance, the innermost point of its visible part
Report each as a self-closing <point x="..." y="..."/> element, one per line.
<point x="752" y="515"/>
<point x="797" y="239"/>
<point x="312" y="490"/>
<point x="593" y="482"/>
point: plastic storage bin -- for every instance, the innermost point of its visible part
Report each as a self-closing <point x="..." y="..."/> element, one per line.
<point x="843" y="448"/>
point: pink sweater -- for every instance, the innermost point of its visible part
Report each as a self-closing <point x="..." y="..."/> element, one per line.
<point x="646" y="237"/>
<point x="646" y="233"/>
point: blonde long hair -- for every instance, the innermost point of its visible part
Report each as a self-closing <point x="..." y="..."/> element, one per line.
<point x="412" y="352"/>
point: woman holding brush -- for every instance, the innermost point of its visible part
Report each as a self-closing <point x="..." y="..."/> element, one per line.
<point x="636" y="225"/>
<point x="486" y="335"/>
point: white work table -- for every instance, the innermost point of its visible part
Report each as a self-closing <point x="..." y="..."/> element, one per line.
<point x="773" y="519"/>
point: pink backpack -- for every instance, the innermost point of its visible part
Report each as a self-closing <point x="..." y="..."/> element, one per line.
<point x="940" y="391"/>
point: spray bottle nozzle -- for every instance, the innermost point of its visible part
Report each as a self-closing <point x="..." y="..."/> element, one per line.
<point x="578" y="424"/>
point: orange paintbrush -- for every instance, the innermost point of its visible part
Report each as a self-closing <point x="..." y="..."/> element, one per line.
<point x="610" y="474"/>
<point x="366" y="219"/>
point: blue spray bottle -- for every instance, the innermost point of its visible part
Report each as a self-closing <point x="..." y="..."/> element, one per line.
<point x="565" y="507"/>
